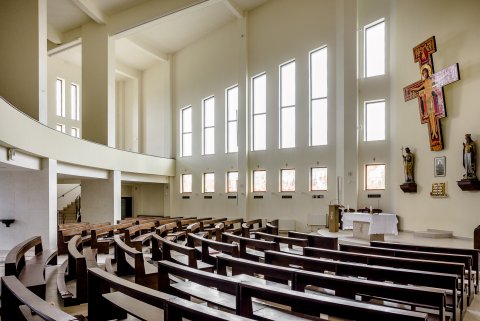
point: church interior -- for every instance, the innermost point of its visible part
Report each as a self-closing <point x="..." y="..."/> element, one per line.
<point x="328" y="118"/>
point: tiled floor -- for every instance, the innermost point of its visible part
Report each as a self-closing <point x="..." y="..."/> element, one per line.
<point x="473" y="312"/>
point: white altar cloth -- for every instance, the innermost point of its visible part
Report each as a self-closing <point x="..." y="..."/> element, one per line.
<point x="382" y="223"/>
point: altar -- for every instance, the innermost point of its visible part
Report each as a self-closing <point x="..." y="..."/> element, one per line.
<point x="371" y="227"/>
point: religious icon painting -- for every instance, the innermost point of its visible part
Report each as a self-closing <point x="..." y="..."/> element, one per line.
<point x="439" y="166"/>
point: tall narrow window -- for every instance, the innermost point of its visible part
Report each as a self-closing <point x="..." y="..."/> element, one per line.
<point x="61" y="128"/>
<point x="375" y="120"/>
<point x="232" y="182"/>
<point x="259" y="181"/>
<point x="318" y="179"/>
<point x="75" y="101"/>
<point x="259" y="112"/>
<point x="209" y="126"/>
<point x="375" y="176"/>
<point x="287" y="105"/>
<point x="318" y="97"/>
<point x="60" y="97"/>
<point x="208" y="182"/>
<point x="287" y="179"/>
<point x="232" y="111"/>
<point x="75" y="132"/>
<point x="186" y="131"/>
<point x="375" y="48"/>
<point x="186" y="183"/>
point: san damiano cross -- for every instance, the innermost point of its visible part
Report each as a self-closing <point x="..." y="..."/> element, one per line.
<point x="429" y="91"/>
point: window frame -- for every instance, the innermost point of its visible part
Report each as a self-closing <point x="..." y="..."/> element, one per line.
<point x="282" y="182"/>
<point x="228" y="121"/>
<point x="284" y="108"/>
<point x="183" y="132"/>
<point x="365" y="51"/>
<point x="311" y="179"/>
<point x="62" y="128"/>
<point x="204" y="127"/>
<point x="317" y="99"/>
<point x="255" y="115"/>
<point x="204" y="181"/>
<point x="227" y="185"/>
<point x="75" y="101"/>
<point x="60" y="101"/>
<point x="77" y="130"/>
<point x="365" y="122"/>
<point x="182" y="183"/>
<point x="253" y="181"/>
<point x="384" y="177"/>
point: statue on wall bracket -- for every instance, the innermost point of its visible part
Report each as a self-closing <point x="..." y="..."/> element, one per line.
<point x="429" y="91"/>
<point x="469" y="182"/>
<point x="409" y="186"/>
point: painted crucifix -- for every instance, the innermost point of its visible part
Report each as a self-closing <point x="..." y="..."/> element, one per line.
<point x="429" y="91"/>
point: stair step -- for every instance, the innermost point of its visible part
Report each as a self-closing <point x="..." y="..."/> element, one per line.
<point x="434" y="234"/>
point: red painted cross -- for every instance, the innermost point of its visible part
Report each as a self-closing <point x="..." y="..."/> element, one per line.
<point x="429" y="91"/>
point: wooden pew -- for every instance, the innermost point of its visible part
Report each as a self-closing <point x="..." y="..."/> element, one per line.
<point x="142" y="302"/>
<point x="15" y="295"/>
<point x="233" y="226"/>
<point x="256" y="225"/>
<point x="474" y="253"/>
<point x="236" y="295"/>
<point x="396" y="262"/>
<point x="289" y="241"/>
<point x="250" y="249"/>
<point x="66" y="231"/>
<point x="432" y="256"/>
<point x="170" y="231"/>
<point x="448" y="282"/>
<point x="102" y="237"/>
<point x="78" y="261"/>
<point x="32" y="272"/>
<point x="131" y="262"/>
<point x="209" y="249"/>
<point x="346" y="287"/>
<point x="137" y="235"/>
<point x="162" y="250"/>
<point x="316" y="240"/>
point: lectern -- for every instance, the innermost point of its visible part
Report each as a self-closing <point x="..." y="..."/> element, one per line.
<point x="333" y="217"/>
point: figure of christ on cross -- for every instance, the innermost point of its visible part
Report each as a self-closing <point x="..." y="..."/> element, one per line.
<point x="429" y="91"/>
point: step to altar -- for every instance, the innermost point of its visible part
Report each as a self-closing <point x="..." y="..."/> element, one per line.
<point x="434" y="234"/>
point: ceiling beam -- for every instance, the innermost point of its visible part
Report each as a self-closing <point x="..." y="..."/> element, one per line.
<point x="127" y="71"/>
<point x="54" y="35"/>
<point x="234" y="8"/>
<point x="65" y="46"/>
<point x="149" y="50"/>
<point x="91" y="10"/>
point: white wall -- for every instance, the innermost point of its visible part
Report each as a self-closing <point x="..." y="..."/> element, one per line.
<point x="127" y="101"/>
<point x="156" y="111"/>
<point x="148" y="199"/>
<point x="455" y="26"/>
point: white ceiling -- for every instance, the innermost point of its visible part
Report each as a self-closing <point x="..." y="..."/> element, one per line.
<point x="148" y="43"/>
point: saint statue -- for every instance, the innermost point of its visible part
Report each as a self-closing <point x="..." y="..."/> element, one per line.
<point x="408" y="165"/>
<point x="469" y="157"/>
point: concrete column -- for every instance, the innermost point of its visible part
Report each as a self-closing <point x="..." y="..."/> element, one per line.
<point x="243" y="119"/>
<point x="101" y="199"/>
<point x="23" y="38"/>
<point x="98" y="82"/>
<point x="346" y="84"/>
<point x="29" y="197"/>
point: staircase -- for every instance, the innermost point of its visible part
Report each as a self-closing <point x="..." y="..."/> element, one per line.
<point x="67" y="214"/>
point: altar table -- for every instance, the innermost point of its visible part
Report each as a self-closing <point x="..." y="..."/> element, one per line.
<point x="370" y="226"/>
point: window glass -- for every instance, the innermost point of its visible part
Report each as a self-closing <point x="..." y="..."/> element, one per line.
<point x="186" y="184"/>
<point x="287" y="180"/>
<point x="318" y="179"/>
<point x="209" y="182"/>
<point x="232" y="182"/>
<point x="259" y="181"/>
<point x="375" y="120"/>
<point x="375" y="176"/>
<point x="375" y="49"/>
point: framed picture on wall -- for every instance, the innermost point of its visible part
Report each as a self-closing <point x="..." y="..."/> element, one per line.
<point x="439" y="166"/>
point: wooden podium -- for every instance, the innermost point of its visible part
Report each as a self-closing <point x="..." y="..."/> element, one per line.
<point x="333" y="217"/>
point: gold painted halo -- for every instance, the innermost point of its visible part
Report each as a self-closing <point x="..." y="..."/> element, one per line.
<point x="423" y="67"/>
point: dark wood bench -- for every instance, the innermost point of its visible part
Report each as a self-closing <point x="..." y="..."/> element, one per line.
<point x="209" y="249"/>
<point x="163" y="249"/>
<point x="102" y="237"/>
<point x="132" y="262"/>
<point x="256" y="225"/>
<point x="474" y="253"/>
<point x="447" y="282"/>
<point x="237" y="295"/>
<point x="432" y="256"/>
<point x="171" y="231"/>
<point x="251" y="249"/>
<point x="299" y="243"/>
<point x="347" y="287"/>
<point x="66" y="231"/>
<point x="210" y="224"/>
<point x="396" y="262"/>
<point x="315" y="240"/>
<point x="16" y="295"/>
<point x="142" y="302"/>
<point x="137" y="235"/>
<point x="30" y="272"/>
<point x="78" y="261"/>
<point x="233" y="226"/>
